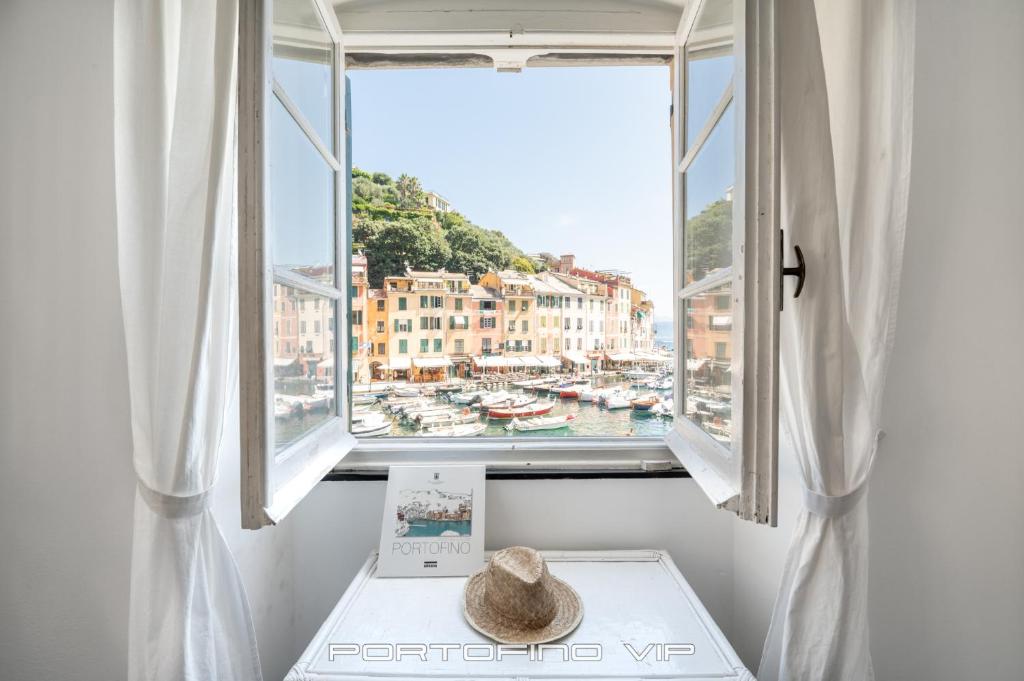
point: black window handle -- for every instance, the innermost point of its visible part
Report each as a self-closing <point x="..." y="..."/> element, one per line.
<point x="800" y="271"/>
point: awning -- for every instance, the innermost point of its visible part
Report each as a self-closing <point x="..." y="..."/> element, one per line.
<point x="398" y="364"/>
<point x="431" y="362"/>
<point x="651" y="357"/>
<point x="531" y="361"/>
<point x="549" y="361"/>
<point x="622" y="357"/>
<point x="488" y="361"/>
<point x="325" y="363"/>
<point x="512" y="362"/>
<point x="695" y="364"/>
<point x="576" y="357"/>
<point x="284" y="361"/>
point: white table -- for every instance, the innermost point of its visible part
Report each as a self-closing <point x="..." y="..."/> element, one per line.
<point x="629" y="597"/>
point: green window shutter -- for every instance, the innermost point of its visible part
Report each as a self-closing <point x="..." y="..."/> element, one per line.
<point x="403" y="346"/>
<point x="401" y="303"/>
<point x="424" y="346"/>
<point x="423" y="301"/>
<point x="458" y="304"/>
<point x="437" y="345"/>
<point x="396" y="326"/>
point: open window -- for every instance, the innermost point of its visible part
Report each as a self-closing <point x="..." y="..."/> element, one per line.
<point x="313" y="320"/>
<point x="293" y="252"/>
<point x="727" y="254"/>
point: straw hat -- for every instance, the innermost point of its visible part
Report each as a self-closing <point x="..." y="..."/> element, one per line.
<point x="516" y="600"/>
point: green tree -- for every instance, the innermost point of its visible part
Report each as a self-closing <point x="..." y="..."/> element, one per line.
<point x="709" y="239"/>
<point x="389" y="246"/>
<point x="410" y="193"/>
<point x="523" y="264"/>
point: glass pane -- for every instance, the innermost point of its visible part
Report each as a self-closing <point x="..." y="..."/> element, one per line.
<point x="709" y="362"/>
<point x="304" y="367"/>
<point x="709" y="209"/>
<point x="303" y="53"/>
<point x="301" y="200"/>
<point x="706" y="80"/>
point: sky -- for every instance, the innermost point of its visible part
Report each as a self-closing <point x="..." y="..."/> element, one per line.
<point x="563" y="160"/>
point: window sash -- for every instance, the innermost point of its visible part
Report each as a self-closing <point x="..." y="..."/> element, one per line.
<point x="274" y="481"/>
<point x="741" y="477"/>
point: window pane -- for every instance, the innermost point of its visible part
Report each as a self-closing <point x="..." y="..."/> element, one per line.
<point x="706" y="79"/>
<point x="302" y="62"/>
<point x="709" y="362"/>
<point x="301" y="200"/>
<point x="709" y="211"/>
<point x="304" y="367"/>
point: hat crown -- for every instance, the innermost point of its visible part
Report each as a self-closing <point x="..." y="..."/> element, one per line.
<point x="518" y="587"/>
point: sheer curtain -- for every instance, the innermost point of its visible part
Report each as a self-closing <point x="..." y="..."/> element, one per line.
<point x="847" y="88"/>
<point x="174" y="94"/>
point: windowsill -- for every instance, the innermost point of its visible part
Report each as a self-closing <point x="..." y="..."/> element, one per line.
<point x="522" y="458"/>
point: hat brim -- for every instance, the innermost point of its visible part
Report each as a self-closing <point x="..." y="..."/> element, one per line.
<point x="568" y="614"/>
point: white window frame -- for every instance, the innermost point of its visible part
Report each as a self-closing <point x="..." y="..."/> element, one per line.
<point x="751" y="496"/>
<point x="274" y="482"/>
<point x="742" y="477"/>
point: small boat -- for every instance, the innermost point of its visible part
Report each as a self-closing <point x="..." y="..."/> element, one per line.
<point x="665" y="384"/>
<point x="451" y="418"/>
<point x="664" y="408"/>
<point x="572" y="390"/>
<point x="468" y="397"/>
<point x="283" y="410"/>
<point x="541" y="423"/>
<point x="406" y="392"/>
<point x="462" y="430"/>
<point x="364" y="399"/>
<point x="315" y="402"/>
<point x="620" y="399"/>
<point x="536" y="409"/>
<point x="645" y="402"/>
<point x="513" y="402"/>
<point x="371" y="427"/>
<point x="495" y="398"/>
<point x="588" y="395"/>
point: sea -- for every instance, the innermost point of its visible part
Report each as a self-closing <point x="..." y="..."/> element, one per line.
<point x="434" y="528"/>
<point x="663" y="334"/>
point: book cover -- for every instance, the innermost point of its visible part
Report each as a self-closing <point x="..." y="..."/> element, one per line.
<point x="433" y="522"/>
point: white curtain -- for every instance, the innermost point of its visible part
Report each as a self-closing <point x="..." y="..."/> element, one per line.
<point x="174" y="94"/>
<point x="846" y="107"/>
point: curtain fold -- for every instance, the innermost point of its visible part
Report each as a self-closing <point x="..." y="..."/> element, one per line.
<point x="846" y="107"/>
<point x="174" y="99"/>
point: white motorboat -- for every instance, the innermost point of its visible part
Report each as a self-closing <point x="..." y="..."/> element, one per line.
<point x="497" y="397"/>
<point x="450" y="418"/>
<point x="364" y="399"/>
<point x="468" y="397"/>
<point x="541" y="423"/>
<point x="663" y="408"/>
<point x="665" y="384"/>
<point x="620" y="400"/>
<point x="512" y="402"/>
<point x="373" y="425"/>
<point x="282" y="410"/>
<point x="461" y="430"/>
<point x="406" y="392"/>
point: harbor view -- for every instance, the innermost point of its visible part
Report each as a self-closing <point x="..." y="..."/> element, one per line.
<point x="549" y="327"/>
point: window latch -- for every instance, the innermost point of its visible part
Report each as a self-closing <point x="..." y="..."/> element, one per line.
<point x="799" y="271"/>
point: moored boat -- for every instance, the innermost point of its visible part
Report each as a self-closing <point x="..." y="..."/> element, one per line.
<point x="645" y="402"/>
<point x="406" y="392"/>
<point x="512" y="402"/>
<point x="450" y="418"/>
<point x="536" y="409"/>
<point x="467" y="397"/>
<point x="541" y="423"/>
<point x="572" y="389"/>
<point x="463" y="430"/>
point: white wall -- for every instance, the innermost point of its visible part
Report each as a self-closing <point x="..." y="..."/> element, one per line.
<point x="947" y="496"/>
<point x="66" y="480"/>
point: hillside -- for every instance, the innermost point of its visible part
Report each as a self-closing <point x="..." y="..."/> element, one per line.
<point x="392" y="225"/>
